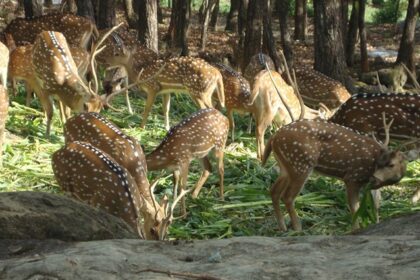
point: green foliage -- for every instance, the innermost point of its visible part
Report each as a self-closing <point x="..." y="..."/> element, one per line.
<point x="247" y="208"/>
<point x="389" y="13"/>
<point x="378" y="2"/>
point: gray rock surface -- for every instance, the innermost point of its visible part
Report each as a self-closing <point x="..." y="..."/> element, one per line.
<point x="38" y="215"/>
<point x="402" y="225"/>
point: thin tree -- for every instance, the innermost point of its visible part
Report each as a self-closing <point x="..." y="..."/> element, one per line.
<point x="364" y="62"/>
<point x="285" y="37"/>
<point x="131" y="14"/>
<point x="352" y="32"/>
<point x="33" y="8"/>
<point x="147" y="24"/>
<point x="214" y="16"/>
<point x="106" y="14"/>
<point x="406" y="49"/>
<point x="207" y="8"/>
<point x="328" y="45"/>
<point x="178" y="26"/>
<point x="300" y="20"/>
<point x="233" y="16"/>
<point x="85" y="8"/>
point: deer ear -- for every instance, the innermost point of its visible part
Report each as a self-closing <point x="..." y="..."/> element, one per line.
<point x="384" y="158"/>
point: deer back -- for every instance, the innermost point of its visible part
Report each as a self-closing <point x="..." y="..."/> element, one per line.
<point x="316" y="88"/>
<point x="78" y="30"/>
<point x="363" y="112"/>
<point x="193" y="137"/>
<point x="335" y="151"/>
<point x="93" y="176"/>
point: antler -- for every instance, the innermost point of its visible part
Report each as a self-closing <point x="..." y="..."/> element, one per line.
<point x="386" y="128"/>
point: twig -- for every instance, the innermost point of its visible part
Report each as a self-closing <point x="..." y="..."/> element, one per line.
<point x="182" y="274"/>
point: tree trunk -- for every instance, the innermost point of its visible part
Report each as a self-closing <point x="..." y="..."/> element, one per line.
<point x="253" y="32"/>
<point x="214" y="15"/>
<point x="207" y="7"/>
<point x="269" y="43"/>
<point x="178" y="26"/>
<point x="406" y="50"/>
<point x="300" y="20"/>
<point x="147" y="24"/>
<point x="364" y="62"/>
<point x="33" y="8"/>
<point x="86" y="9"/>
<point x="106" y="14"/>
<point x="159" y="12"/>
<point x="328" y="45"/>
<point x="130" y="14"/>
<point x="243" y="14"/>
<point x="344" y="19"/>
<point x="352" y="34"/>
<point x="284" y="32"/>
<point x="233" y="16"/>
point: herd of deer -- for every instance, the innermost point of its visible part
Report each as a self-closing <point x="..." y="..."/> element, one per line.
<point x="102" y="166"/>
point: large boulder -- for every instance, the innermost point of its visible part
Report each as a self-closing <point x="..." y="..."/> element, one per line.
<point x="38" y="215"/>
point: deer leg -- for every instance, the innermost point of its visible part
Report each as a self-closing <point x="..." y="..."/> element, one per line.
<point x="166" y="107"/>
<point x="205" y="163"/>
<point x="29" y="92"/>
<point x="276" y="192"/>
<point x="353" y="201"/>
<point x="219" y="155"/>
<point x="231" y="124"/>
<point x="176" y="175"/>
<point x="127" y="97"/>
<point x="376" y="194"/>
<point x="289" y="196"/>
<point x="261" y="127"/>
<point x="149" y="103"/>
<point x="184" y="170"/>
<point x="47" y="104"/>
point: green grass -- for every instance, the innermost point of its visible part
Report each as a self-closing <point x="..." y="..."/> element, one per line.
<point x="247" y="208"/>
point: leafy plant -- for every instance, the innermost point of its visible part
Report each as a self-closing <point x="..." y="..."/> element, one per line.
<point x="389" y="13"/>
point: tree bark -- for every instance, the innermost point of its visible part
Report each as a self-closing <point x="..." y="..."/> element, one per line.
<point x="300" y="20"/>
<point x="253" y="32"/>
<point x="364" y="62"/>
<point x="178" y="26"/>
<point x="207" y="7"/>
<point x="106" y="14"/>
<point x="147" y="24"/>
<point x="243" y="14"/>
<point x="285" y="37"/>
<point x="214" y="16"/>
<point x="328" y="45"/>
<point x="159" y="12"/>
<point x="130" y="14"/>
<point x="33" y="8"/>
<point x="344" y="19"/>
<point x="406" y="50"/>
<point x="269" y="43"/>
<point x="86" y="9"/>
<point x="352" y="34"/>
<point x="233" y="16"/>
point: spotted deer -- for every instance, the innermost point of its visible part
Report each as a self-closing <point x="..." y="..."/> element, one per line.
<point x="193" y="138"/>
<point x="333" y="150"/>
<point x="317" y="88"/>
<point x="4" y="61"/>
<point x="362" y="112"/>
<point x="77" y="30"/>
<point x="93" y="176"/>
<point x="170" y="75"/>
<point x="258" y="62"/>
<point x="4" y="105"/>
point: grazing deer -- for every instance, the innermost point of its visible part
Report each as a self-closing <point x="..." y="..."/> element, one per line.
<point x="127" y="152"/>
<point x="258" y="62"/>
<point x="193" y="137"/>
<point x="362" y="112"/>
<point x="317" y="88"/>
<point x="4" y="105"/>
<point x="164" y="76"/>
<point x="77" y="30"/>
<point x="333" y="150"/>
<point x="4" y="62"/>
<point x="91" y="175"/>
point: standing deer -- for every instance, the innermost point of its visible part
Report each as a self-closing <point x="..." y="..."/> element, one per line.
<point x="91" y="175"/>
<point x="4" y="105"/>
<point x="317" y="88"/>
<point x="333" y="150"/>
<point x="362" y="112"/>
<point x="77" y="30"/>
<point x="194" y="137"/>
<point x="258" y="62"/>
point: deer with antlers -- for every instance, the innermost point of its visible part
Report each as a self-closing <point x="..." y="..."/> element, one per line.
<point x="194" y="137"/>
<point x="119" y="153"/>
<point x="77" y="30"/>
<point x="333" y="150"/>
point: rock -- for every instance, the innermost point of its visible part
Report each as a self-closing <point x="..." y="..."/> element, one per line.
<point x="403" y="225"/>
<point x="393" y="78"/>
<point x="306" y="257"/>
<point x="38" y="215"/>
